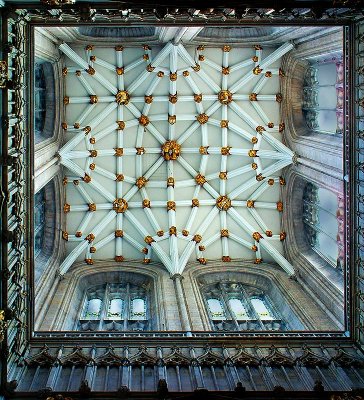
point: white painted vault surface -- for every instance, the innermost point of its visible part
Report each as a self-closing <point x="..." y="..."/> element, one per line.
<point x="173" y="154"/>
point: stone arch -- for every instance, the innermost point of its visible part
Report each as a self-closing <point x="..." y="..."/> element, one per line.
<point x="294" y="301"/>
<point x="64" y="307"/>
<point x="312" y="270"/>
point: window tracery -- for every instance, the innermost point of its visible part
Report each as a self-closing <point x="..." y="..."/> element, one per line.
<point x="44" y="100"/>
<point x="234" y="306"/>
<point x="323" y="97"/>
<point x="39" y="220"/>
<point x="115" y="307"/>
<point x="323" y="223"/>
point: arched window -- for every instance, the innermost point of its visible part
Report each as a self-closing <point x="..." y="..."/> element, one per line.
<point x="233" y="306"/>
<point x="39" y="221"/>
<point x="44" y="100"/>
<point x="323" y="97"/>
<point x="115" y="307"/>
<point x="93" y="309"/>
<point x="321" y="218"/>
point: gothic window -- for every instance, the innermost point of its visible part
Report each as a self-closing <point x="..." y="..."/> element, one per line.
<point x="44" y="100"/>
<point x="233" y="306"/>
<point x="39" y="221"/>
<point x="323" y="97"/>
<point x="322" y="220"/>
<point x="115" y="307"/>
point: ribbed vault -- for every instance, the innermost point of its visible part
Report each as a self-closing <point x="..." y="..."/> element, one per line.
<point x="173" y="153"/>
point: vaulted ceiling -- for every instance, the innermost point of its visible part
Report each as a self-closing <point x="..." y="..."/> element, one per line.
<point x="173" y="154"/>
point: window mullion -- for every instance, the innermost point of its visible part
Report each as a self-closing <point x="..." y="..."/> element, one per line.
<point x="103" y="314"/>
<point x="82" y="311"/>
<point x="127" y="307"/>
<point x="251" y="308"/>
<point x="227" y="305"/>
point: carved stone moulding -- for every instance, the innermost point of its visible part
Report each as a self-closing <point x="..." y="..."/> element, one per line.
<point x="225" y="97"/>
<point x="120" y="205"/>
<point x="223" y="203"/>
<point x="171" y="150"/>
<point x="122" y="97"/>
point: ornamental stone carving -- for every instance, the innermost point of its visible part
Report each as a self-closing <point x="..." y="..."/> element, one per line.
<point x="119" y="70"/>
<point x="195" y="203"/>
<point x="223" y="175"/>
<point x="257" y="70"/>
<point x="253" y="97"/>
<point x="119" y="151"/>
<point x="87" y="178"/>
<point x="200" y="179"/>
<point x="92" y="207"/>
<point x="171" y="205"/>
<point x="171" y="150"/>
<point x="146" y="203"/>
<point x="120" y="205"/>
<point x="223" y="203"/>
<point x="202" y="118"/>
<point x="121" y="125"/>
<point x="148" y="240"/>
<point x="141" y="182"/>
<point x="224" y="233"/>
<point x="122" y="97"/>
<point x="143" y="120"/>
<point x="203" y="150"/>
<point x="225" y="97"/>
<point x="173" y="98"/>
<point x="225" y="151"/>
<point x="256" y="236"/>
<point x="90" y="237"/>
<point x="197" y="238"/>
<point x="170" y="182"/>
<point x="250" y="204"/>
<point x="197" y="98"/>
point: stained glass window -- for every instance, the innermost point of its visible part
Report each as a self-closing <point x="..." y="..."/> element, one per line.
<point x="115" y="306"/>
<point x="321" y="218"/>
<point x="234" y="306"/>
<point x="39" y="220"/>
<point x="323" y="97"/>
